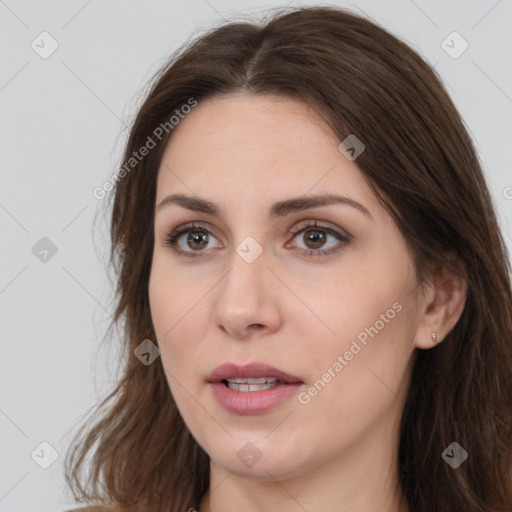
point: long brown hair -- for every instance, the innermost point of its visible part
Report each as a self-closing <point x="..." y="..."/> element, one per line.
<point x="421" y="163"/>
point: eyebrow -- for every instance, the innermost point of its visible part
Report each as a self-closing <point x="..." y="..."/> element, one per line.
<point x="278" y="209"/>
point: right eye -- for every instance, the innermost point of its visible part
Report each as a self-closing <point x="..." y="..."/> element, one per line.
<point x="197" y="239"/>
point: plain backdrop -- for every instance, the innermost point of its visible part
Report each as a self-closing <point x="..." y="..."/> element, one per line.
<point x="62" y="127"/>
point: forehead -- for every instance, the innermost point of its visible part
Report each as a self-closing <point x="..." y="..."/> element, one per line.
<point x="239" y="123"/>
<point x="240" y="148"/>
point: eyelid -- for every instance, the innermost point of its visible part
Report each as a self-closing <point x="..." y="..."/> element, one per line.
<point x="312" y="223"/>
<point x="341" y="235"/>
<point x="171" y="237"/>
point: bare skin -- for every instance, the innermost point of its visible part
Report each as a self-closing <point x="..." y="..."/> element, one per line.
<point x="292" y="307"/>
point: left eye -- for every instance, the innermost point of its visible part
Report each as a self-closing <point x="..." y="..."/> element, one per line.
<point x="316" y="237"/>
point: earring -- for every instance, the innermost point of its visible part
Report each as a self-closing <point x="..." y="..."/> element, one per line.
<point x="434" y="337"/>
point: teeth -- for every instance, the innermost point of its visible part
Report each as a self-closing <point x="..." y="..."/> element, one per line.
<point x="259" y="380"/>
<point x="244" y="388"/>
<point x="246" y="385"/>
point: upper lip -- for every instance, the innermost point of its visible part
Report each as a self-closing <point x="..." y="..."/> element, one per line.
<point x="252" y="370"/>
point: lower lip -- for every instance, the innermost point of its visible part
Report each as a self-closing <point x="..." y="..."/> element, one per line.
<point x="252" y="402"/>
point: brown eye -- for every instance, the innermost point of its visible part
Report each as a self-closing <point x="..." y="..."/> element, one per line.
<point x="319" y="240"/>
<point x="314" y="238"/>
<point x="197" y="240"/>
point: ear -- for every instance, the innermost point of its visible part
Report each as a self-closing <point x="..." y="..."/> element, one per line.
<point x="441" y="305"/>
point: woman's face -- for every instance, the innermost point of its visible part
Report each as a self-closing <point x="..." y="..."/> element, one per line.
<point x="333" y="307"/>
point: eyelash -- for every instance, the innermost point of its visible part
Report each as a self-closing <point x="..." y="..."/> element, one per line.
<point x="171" y="238"/>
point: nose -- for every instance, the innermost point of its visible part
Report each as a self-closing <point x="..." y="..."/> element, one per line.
<point x="248" y="299"/>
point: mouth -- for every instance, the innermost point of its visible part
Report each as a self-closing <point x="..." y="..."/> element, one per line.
<point x="258" y="380"/>
<point x="252" y="377"/>
<point x="256" y="384"/>
<point x="256" y="388"/>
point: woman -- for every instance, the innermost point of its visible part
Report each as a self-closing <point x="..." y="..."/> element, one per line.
<point x="314" y="289"/>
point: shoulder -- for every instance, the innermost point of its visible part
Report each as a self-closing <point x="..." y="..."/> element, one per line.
<point x="94" y="509"/>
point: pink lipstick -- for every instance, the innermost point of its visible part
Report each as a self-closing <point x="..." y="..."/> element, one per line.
<point x="252" y="389"/>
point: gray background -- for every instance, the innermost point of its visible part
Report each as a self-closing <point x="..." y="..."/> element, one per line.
<point x="61" y="130"/>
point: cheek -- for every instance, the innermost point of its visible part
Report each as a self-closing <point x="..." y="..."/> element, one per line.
<point x="174" y="308"/>
<point x="370" y="313"/>
<point x="181" y="312"/>
<point x="172" y="294"/>
<point x="365" y="301"/>
<point x="174" y="311"/>
<point x="178" y="318"/>
<point x="368" y="353"/>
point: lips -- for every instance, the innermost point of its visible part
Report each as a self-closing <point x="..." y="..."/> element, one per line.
<point x="256" y="388"/>
<point x="244" y="374"/>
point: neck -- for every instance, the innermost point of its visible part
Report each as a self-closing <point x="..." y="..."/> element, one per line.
<point x="363" y="478"/>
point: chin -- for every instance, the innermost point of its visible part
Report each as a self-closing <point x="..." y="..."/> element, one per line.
<point x="259" y="459"/>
